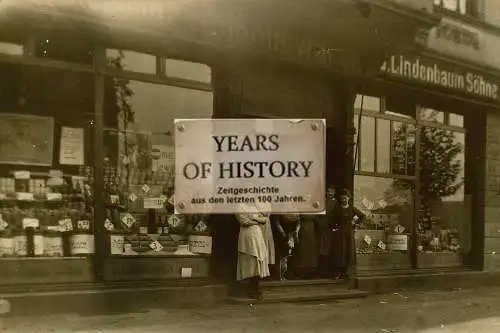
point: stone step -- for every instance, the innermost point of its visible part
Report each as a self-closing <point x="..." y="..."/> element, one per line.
<point x="304" y="296"/>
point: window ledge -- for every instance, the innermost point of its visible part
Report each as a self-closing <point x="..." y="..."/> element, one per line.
<point x="469" y="19"/>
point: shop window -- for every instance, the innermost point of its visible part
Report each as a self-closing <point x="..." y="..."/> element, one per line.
<point x="12" y="49"/>
<point x="188" y="70"/>
<point x="139" y="172"/>
<point x="444" y="215"/>
<point x="131" y="61"/>
<point x="46" y="184"/>
<point x="366" y="102"/>
<point x="383" y="219"/>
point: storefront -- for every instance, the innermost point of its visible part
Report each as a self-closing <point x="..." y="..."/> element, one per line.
<point x="89" y="111"/>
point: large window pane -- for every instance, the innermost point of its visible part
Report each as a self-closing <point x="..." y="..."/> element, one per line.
<point x="444" y="218"/>
<point x="383" y="214"/>
<point x="368" y="144"/>
<point x="131" y="61"/>
<point x="383" y="146"/>
<point x="140" y="174"/>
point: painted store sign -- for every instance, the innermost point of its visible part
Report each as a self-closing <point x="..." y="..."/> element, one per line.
<point x="440" y="74"/>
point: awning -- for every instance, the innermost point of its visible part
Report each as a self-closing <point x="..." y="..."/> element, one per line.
<point x="346" y="35"/>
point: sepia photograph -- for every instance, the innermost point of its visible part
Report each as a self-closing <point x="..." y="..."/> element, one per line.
<point x="244" y="166"/>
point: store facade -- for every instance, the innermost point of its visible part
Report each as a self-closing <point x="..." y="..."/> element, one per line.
<point x="97" y="102"/>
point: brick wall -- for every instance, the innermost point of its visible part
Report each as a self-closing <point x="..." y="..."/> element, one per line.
<point x="491" y="193"/>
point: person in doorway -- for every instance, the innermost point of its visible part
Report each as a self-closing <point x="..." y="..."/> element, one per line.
<point x="255" y="250"/>
<point x="307" y="250"/>
<point x="325" y="234"/>
<point x="342" y="236"/>
<point x="287" y="230"/>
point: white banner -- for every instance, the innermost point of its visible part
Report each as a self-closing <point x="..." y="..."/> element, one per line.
<point x="251" y="165"/>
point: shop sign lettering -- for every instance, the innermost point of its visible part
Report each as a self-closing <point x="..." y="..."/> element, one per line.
<point x="251" y="165"/>
<point x="441" y="75"/>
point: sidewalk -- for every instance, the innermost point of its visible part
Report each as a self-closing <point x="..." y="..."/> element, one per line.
<point x="466" y="311"/>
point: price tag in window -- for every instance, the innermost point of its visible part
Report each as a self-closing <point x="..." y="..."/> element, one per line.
<point x="146" y="188"/>
<point x="115" y="199"/>
<point x="54" y="196"/>
<point x="84" y="225"/>
<point x="156" y="246"/>
<point x="3" y="224"/>
<point x="173" y="221"/>
<point x="367" y="239"/>
<point x="30" y="223"/>
<point x="132" y="197"/>
<point x="128" y="220"/>
<point x="66" y="225"/>
<point x="381" y="245"/>
<point x="399" y="229"/>
<point x="24" y="196"/>
<point x="108" y="225"/>
<point x="154" y="203"/>
<point x="22" y="175"/>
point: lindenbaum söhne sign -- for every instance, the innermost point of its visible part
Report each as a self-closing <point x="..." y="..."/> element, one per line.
<point x="234" y="165"/>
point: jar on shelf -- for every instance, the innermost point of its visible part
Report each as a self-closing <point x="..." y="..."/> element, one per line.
<point x="53" y="244"/>
<point x="6" y="244"/>
<point x="82" y="244"/>
<point x="20" y="244"/>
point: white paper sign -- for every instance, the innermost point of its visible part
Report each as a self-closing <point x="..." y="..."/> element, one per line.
<point x="54" y="196"/>
<point x="367" y="239"/>
<point x="128" y="220"/>
<point x="30" y="223"/>
<point x="132" y="197"/>
<point x="3" y="224"/>
<point x="72" y="146"/>
<point x="397" y="242"/>
<point x="227" y="166"/>
<point x="22" y="175"/>
<point x="186" y="272"/>
<point x="83" y="225"/>
<point x="154" y="203"/>
<point x="156" y="246"/>
<point x="24" y="196"/>
<point x="115" y="199"/>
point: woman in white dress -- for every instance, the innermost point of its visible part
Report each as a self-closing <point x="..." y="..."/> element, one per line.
<point x="255" y="249"/>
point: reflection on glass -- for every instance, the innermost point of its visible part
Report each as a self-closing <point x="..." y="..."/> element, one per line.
<point x="383" y="213"/>
<point x="456" y="120"/>
<point x="431" y="115"/>
<point x="368" y="144"/>
<point x="445" y="210"/>
<point x="399" y="148"/>
<point x="383" y="145"/>
<point x="411" y="135"/>
<point x="356" y="154"/>
<point x="188" y="70"/>
<point x="368" y="102"/>
<point x="131" y="61"/>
